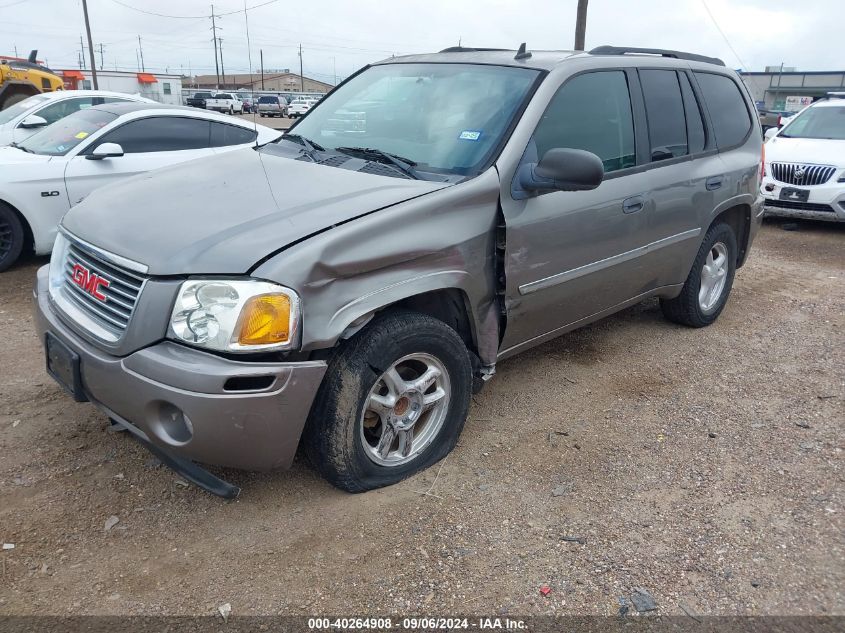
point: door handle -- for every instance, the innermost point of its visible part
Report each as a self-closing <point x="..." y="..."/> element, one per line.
<point x="632" y="204"/>
<point x="713" y="183"/>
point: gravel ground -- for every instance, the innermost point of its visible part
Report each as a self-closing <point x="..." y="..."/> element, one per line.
<point x="704" y="466"/>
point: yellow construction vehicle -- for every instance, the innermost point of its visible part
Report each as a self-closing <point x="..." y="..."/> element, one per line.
<point x="21" y="79"/>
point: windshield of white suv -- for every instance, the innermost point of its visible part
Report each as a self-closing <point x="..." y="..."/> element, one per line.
<point x="65" y="134"/>
<point x="820" y="122"/>
<point x="439" y="117"/>
<point x="20" y="107"/>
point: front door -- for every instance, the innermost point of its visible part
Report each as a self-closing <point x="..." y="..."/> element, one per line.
<point x="148" y="143"/>
<point x="571" y="255"/>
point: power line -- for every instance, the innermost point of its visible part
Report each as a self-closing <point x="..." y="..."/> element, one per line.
<point x="722" y="33"/>
<point x="190" y="17"/>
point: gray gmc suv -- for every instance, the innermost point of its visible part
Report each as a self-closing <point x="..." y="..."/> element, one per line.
<point x="346" y="288"/>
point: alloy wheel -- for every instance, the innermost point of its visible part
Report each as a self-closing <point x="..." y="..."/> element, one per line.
<point x="405" y="409"/>
<point x="714" y="275"/>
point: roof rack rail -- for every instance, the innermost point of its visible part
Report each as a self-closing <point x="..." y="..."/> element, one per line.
<point x="464" y="49"/>
<point x="624" y="50"/>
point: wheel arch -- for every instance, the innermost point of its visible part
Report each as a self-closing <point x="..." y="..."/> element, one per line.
<point x="738" y="217"/>
<point x="450" y="304"/>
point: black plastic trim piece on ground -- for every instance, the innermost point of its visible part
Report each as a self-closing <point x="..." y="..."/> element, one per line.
<point x="197" y="475"/>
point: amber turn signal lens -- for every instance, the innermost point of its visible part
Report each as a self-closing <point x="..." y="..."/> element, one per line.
<point x="265" y="320"/>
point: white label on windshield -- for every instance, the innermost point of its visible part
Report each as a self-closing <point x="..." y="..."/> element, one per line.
<point x="470" y="135"/>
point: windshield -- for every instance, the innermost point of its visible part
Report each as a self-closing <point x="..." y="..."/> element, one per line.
<point x="443" y="117"/>
<point x="65" y="134"/>
<point x="20" y="107"/>
<point x="820" y="122"/>
<point x="269" y="100"/>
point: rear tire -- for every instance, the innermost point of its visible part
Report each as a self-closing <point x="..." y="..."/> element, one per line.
<point x="12" y="237"/>
<point x="709" y="283"/>
<point x="359" y="444"/>
<point x="12" y="99"/>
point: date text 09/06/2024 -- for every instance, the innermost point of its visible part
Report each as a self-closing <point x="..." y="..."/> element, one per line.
<point x="415" y="624"/>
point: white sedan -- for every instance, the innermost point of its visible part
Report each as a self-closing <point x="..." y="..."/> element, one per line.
<point x="23" y="119"/>
<point x="54" y="169"/>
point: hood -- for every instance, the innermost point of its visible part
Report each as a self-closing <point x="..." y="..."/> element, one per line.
<point x="224" y="213"/>
<point x="817" y="151"/>
<point x="15" y="156"/>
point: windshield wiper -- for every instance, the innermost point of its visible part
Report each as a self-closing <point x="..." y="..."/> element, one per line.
<point x="311" y="148"/>
<point x="23" y="149"/>
<point x="405" y="165"/>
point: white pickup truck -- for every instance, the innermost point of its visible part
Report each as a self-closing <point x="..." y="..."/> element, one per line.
<point x="225" y="102"/>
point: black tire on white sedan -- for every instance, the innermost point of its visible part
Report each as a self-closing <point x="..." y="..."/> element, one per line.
<point x="12" y="236"/>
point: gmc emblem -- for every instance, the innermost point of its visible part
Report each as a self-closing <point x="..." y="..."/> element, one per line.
<point x="89" y="282"/>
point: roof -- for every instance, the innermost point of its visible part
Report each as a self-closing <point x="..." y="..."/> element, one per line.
<point x="544" y="60"/>
<point x="64" y="94"/>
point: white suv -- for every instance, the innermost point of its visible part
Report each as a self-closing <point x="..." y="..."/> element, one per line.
<point x="805" y="164"/>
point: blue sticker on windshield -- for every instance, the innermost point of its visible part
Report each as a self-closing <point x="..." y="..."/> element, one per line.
<point x="470" y="135"/>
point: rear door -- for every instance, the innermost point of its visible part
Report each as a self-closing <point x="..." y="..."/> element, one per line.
<point x="572" y="255"/>
<point x="677" y="173"/>
<point x="149" y="143"/>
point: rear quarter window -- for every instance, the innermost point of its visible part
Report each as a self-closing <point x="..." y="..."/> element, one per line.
<point x="728" y="110"/>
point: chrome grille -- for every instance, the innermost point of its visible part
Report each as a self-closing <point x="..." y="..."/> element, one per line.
<point x="798" y="174"/>
<point x="114" y="311"/>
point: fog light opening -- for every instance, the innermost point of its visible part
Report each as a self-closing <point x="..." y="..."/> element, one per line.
<point x="172" y="425"/>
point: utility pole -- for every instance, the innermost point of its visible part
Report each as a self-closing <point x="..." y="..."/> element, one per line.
<point x="262" y="67"/>
<point x="301" y="77"/>
<point x="222" y="68"/>
<point x="90" y="45"/>
<point x="141" y="50"/>
<point x="81" y="54"/>
<point x="16" y="50"/>
<point x="214" y="39"/>
<point x="101" y="56"/>
<point x="581" y="25"/>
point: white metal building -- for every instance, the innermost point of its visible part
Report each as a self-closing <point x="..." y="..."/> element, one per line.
<point x="160" y="87"/>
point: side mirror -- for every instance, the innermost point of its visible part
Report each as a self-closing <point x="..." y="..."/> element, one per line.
<point x="771" y="133"/>
<point x="33" y="120"/>
<point x="105" y="150"/>
<point x="563" y="170"/>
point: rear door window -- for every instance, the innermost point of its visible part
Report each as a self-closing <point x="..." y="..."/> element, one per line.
<point x="695" y="123"/>
<point x="727" y="108"/>
<point x="667" y="127"/>
<point x="591" y="112"/>
<point x="160" y="134"/>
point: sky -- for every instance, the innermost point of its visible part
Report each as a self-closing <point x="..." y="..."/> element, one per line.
<point x="340" y="36"/>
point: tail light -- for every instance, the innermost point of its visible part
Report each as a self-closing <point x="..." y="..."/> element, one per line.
<point x="780" y="120"/>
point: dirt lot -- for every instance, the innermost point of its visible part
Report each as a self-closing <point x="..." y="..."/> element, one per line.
<point x="702" y="465"/>
<point x="273" y="122"/>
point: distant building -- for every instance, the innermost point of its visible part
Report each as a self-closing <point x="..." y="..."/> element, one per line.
<point x="160" y="87"/>
<point x="277" y="82"/>
<point x="771" y="88"/>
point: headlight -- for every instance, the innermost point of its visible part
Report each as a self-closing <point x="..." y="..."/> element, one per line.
<point x="57" y="263"/>
<point x="236" y="316"/>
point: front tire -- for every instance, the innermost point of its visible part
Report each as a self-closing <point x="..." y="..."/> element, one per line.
<point x="393" y="402"/>
<point x="12" y="237"/>
<point x="709" y="283"/>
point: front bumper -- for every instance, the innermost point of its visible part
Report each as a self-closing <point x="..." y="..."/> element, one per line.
<point x="825" y="202"/>
<point x="176" y="397"/>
